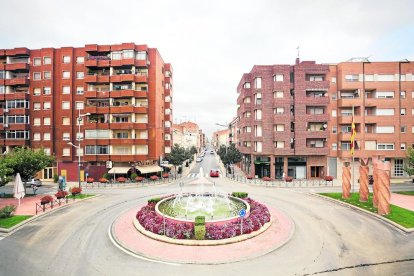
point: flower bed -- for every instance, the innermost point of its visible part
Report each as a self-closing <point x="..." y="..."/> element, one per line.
<point x="121" y="179"/>
<point x="288" y="179"/>
<point x="61" y="194"/>
<point x="266" y="178"/>
<point x="103" y="180"/>
<point x="165" y="175"/>
<point x="76" y="190"/>
<point x="148" y="218"/>
<point x="154" y="177"/>
<point x="90" y="180"/>
<point x="328" y="178"/>
<point x="46" y="199"/>
<point x="139" y="178"/>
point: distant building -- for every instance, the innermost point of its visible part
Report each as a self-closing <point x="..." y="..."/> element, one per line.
<point x="187" y="135"/>
<point x="297" y="118"/>
<point x="221" y="137"/>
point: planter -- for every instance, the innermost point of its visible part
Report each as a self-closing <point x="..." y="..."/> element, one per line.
<point x="288" y="179"/>
<point x="90" y="180"/>
<point x="139" y="178"/>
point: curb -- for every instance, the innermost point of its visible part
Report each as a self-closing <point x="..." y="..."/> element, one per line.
<point x="380" y="218"/>
<point x="34" y="217"/>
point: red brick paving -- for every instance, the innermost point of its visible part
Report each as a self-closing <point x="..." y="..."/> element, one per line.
<point x="129" y="237"/>
<point x="404" y="201"/>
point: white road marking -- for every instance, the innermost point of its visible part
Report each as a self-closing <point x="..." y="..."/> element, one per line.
<point x="135" y="255"/>
<point x="1" y="237"/>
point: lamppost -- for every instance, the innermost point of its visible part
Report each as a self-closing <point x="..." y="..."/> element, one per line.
<point x="79" y="145"/>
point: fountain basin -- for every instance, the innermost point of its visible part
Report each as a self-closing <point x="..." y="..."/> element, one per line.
<point x="217" y="209"/>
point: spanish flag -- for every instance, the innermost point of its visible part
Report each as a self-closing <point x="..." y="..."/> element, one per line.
<point x="353" y="135"/>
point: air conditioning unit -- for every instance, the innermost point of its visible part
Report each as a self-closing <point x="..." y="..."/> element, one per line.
<point x="5" y="110"/>
<point x="5" y="125"/>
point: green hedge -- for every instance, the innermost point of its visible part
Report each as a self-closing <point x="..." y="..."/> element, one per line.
<point x="154" y="200"/>
<point x="200" y="220"/>
<point x="240" y="194"/>
<point x="200" y="227"/>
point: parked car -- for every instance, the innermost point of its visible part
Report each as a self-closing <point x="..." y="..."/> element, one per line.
<point x="199" y="159"/>
<point x="214" y="173"/>
<point x="211" y="151"/>
<point x="34" y="181"/>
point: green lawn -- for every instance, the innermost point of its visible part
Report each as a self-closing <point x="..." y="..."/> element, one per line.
<point x="406" y="193"/>
<point x="81" y="196"/>
<point x="398" y="215"/>
<point x="12" y="221"/>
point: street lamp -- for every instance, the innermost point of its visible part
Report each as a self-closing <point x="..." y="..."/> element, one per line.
<point x="79" y="145"/>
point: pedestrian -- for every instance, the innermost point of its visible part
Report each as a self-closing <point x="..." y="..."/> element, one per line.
<point x="284" y="176"/>
<point x="34" y="187"/>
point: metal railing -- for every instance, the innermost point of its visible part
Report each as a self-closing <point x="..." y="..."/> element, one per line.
<point x="282" y="183"/>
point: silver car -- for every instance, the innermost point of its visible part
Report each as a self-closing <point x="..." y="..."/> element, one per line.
<point x="34" y="181"/>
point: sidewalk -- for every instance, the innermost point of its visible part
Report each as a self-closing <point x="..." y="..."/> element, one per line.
<point x="403" y="201"/>
<point x="27" y="204"/>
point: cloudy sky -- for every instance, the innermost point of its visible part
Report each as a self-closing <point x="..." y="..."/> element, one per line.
<point x="212" y="43"/>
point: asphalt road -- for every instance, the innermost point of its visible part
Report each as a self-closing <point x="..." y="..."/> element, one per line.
<point x="329" y="239"/>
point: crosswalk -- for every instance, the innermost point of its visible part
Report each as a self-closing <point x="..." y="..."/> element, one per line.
<point x="197" y="175"/>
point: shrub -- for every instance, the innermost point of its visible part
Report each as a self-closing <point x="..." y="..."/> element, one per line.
<point x="121" y="179"/>
<point x="266" y="178"/>
<point x="249" y="177"/>
<point x="240" y="194"/>
<point x="90" y="180"/>
<point x="154" y="200"/>
<point x="154" y="177"/>
<point x="61" y="194"/>
<point x="46" y="199"/>
<point x="139" y="178"/>
<point x="55" y="178"/>
<point x="133" y="176"/>
<point x="76" y="190"/>
<point x="200" y="220"/>
<point x="107" y="176"/>
<point x="7" y="211"/>
<point x="103" y="180"/>
<point x="329" y="178"/>
<point x="165" y="175"/>
<point x="200" y="228"/>
<point x="288" y="179"/>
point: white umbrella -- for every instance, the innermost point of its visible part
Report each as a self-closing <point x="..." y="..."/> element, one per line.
<point x="19" y="191"/>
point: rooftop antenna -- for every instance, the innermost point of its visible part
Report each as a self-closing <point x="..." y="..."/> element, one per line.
<point x="298" y="48"/>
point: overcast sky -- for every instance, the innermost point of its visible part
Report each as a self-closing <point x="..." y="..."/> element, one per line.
<point x="212" y="43"/>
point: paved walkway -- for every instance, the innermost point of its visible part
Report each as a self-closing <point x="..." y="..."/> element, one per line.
<point x="404" y="201"/>
<point x="27" y="204"/>
<point x="129" y="238"/>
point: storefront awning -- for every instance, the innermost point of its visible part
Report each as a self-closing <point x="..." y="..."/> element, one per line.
<point x="120" y="170"/>
<point x="149" y="169"/>
<point x="167" y="166"/>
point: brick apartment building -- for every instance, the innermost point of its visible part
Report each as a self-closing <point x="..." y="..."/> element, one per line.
<point x="297" y="118"/>
<point x="120" y="95"/>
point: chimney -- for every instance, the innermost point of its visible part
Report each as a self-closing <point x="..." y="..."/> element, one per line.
<point x="297" y="61"/>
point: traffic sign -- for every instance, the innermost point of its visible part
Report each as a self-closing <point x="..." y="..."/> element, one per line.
<point x="242" y="213"/>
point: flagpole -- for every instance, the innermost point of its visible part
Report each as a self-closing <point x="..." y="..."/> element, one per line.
<point x="353" y="147"/>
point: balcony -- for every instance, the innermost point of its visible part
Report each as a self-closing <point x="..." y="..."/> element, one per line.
<point x="316" y="117"/>
<point x="167" y="117"/>
<point x="128" y="93"/>
<point x="348" y="119"/>
<point x="128" y="141"/>
<point x="128" y="125"/>
<point x="16" y="96"/>
<point x="18" y="81"/>
<point x="122" y="62"/>
<point x="167" y="105"/>
<point x="14" y="142"/>
<point x="140" y="94"/>
<point x="20" y="66"/>
<point x="316" y="100"/>
<point x="97" y="48"/>
<point x="18" y="52"/>
<point x="141" y="78"/>
<point x="122" y="78"/>
<point x="98" y="62"/>
<point x="142" y="110"/>
<point x="315" y="85"/>
<point x="95" y="78"/>
<point x="349" y="102"/>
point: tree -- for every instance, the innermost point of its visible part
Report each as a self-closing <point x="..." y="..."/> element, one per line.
<point x="193" y="150"/>
<point x="177" y="156"/>
<point x="409" y="168"/>
<point x="233" y="155"/>
<point x="222" y="152"/>
<point x="5" y="173"/>
<point x="26" y="161"/>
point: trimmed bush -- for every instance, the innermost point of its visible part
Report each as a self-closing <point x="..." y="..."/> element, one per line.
<point x="154" y="200"/>
<point x="329" y="178"/>
<point x="133" y="176"/>
<point x="55" y="178"/>
<point x="46" y="199"/>
<point x="165" y="175"/>
<point x="107" y="176"/>
<point x="7" y="211"/>
<point x="90" y="180"/>
<point x="200" y="228"/>
<point x="61" y="194"/>
<point x="240" y="194"/>
<point x="76" y="190"/>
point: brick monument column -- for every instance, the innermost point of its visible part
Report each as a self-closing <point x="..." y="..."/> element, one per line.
<point x="363" y="180"/>
<point x="384" y="194"/>
<point x="346" y="180"/>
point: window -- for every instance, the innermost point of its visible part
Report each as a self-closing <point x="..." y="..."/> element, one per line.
<point x="47" y="75"/>
<point x="279" y="128"/>
<point x="333" y="97"/>
<point x="66" y="59"/>
<point x="79" y="152"/>
<point x="247" y="100"/>
<point x="46" y="136"/>
<point x="80" y="60"/>
<point x="278" y="94"/>
<point x="141" y="55"/>
<point x="258" y="131"/>
<point x="398" y="167"/>
<point x="384" y="129"/>
<point x="47" y="91"/>
<point x="66" y="74"/>
<point x="354" y="77"/>
<point x="258" y="83"/>
<point x="46" y="105"/>
<point x="141" y="149"/>
<point x="79" y="75"/>
<point x="65" y="121"/>
<point x="97" y="133"/>
<point x="345" y="145"/>
<point x="66" y="90"/>
<point x="258" y="98"/>
<point x="403" y="146"/>
<point x="333" y="79"/>
<point x="79" y="105"/>
<point x="278" y="77"/>
<point x="128" y="54"/>
<point x="279" y="110"/>
<point x="402" y="111"/>
<point x="247" y="114"/>
<point x="402" y="94"/>
<point x="258" y="114"/>
<point x="95" y="149"/>
<point x="279" y="144"/>
<point x="385" y="146"/>
<point x="116" y="55"/>
<point x="66" y="152"/>
<point x="47" y="151"/>
<point x="412" y="111"/>
<point x="248" y="129"/>
<point x="384" y="112"/>
<point x="47" y="60"/>
<point x="403" y="129"/>
<point x="334" y="129"/>
<point x="36" y="121"/>
<point x="257" y="146"/>
<point x="79" y="136"/>
<point x="65" y="105"/>
<point x="46" y="121"/>
<point x="37" y="76"/>
<point x="369" y="77"/>
<point x="334" y="113"/>
<point x="36" y="136"/>
<point x="79" y="90"/>
<point x="315" y="78"/>
<point x="122" y="135"/>
<point x="2" y="89"/>
<point x="334" y="146"/>
<point x="37" y="91"/>
<point x="246" y="85"/>
<point x="37" y="61"/>
<point x="66" y="136"/>
<point x="315" y="110"/>
<point x="36" y="106"/>
<point x="384" y="94"/>
<point x="385" y="77"/>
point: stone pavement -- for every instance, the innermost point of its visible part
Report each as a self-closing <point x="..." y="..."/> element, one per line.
<point x="129" y="238"/>
<point x="404" y="201"/>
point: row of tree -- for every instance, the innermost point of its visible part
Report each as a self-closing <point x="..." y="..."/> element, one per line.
<point x="229" y="155"/>
<point x="25" y="161"/>
<point x="179" y="154"/>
